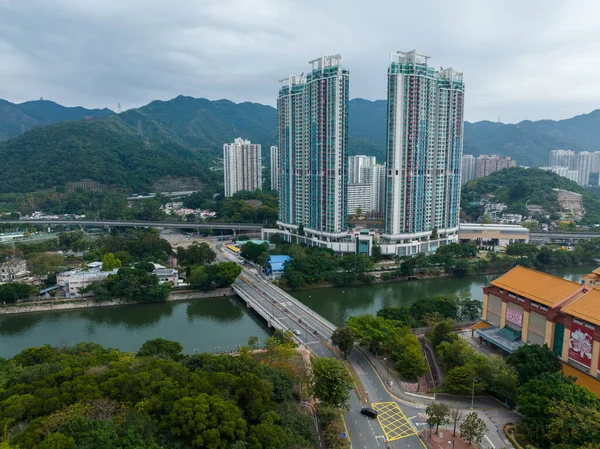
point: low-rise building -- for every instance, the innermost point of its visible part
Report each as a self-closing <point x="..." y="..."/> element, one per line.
<point x="167" y="275"/>
<point x="74" y="281"/>
<point x="591" y="279"/>
<point x="525" y="306"/>
<point x="12" y="269"/>
<point x="499" y="235"/>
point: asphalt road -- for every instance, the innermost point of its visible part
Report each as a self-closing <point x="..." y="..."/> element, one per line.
<point x="398" y="421"/>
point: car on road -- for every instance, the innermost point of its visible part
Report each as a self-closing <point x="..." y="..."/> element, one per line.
<point x="297" y="332"/>
<point x="368" y="411"/>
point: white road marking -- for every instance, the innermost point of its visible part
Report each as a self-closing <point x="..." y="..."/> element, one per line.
<point x="413" y="417"/>
<point x="490" y="441"/>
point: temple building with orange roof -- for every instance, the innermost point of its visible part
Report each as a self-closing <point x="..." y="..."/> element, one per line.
<point x="526" y="306"/>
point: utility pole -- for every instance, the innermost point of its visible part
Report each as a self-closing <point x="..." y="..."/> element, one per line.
<point x="473" y="393"/>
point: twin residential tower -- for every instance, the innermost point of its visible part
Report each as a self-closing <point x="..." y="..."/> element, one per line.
<point x="423" y="165"/>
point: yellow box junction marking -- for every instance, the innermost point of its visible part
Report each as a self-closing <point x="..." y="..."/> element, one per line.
<point x="394" y="423"/>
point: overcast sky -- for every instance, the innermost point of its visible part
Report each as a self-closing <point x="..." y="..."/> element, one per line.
<point x="522" y="59"/>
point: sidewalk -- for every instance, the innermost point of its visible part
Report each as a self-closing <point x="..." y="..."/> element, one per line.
<point x="494" y="413"/>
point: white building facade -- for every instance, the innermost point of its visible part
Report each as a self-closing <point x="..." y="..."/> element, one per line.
<point x="242" y="166"/>
<point x="355" y="163"/>
<point x="374" y="175"/>
<point x="468" y="168"/>
<point x="359" y="199"/>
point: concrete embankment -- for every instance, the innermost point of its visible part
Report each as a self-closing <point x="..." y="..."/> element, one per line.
<point x="80" y="303"/>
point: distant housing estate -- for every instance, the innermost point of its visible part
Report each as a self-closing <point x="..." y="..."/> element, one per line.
<point x="242" y="166"/>
<point x="477" y="167"/>
<point x="574" y="166"/>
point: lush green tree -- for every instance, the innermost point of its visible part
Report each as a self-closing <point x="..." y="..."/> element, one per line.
<point x="446" y="306"/>
<point x="196" y="254"/>
<point x="410" y="361"/>
<point x="473" y="428"/>
<point x="124" y="257"/>
<point x="376" y="253"/>
<point x="213" y="276"/>
<point x="131" y="284"/>
<point x="531" y="361"/>
<point x="536" y="397"/>
<point x="44" y="263"/>
<point x="331" y="382"/>
<point x="463" y="380"/>
<point x="110" y="262"/>
<point x="401" y="314"/>
<point x="13" y="291"/>
<point x="437" y="414"/>
<point x="161" y="348"/>
<point x="57" y="441"/>
<point x="522" y="250"/>
<point x="205" y="421"/>
<point x="375" y="333"/>
<point x="343" y="338"/>
<point x="442" y="332"/>
<point x="252" y="251"/>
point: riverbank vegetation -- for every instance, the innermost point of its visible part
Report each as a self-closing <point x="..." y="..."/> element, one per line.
<point x="87" y="396"/>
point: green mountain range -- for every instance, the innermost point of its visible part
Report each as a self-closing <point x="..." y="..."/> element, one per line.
<point x="184" y="136"/>
<point x="15" y="119"/>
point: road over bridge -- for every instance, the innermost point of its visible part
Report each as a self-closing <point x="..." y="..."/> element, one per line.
<point x="141" y="224"/>
<point x="564" y="238"/>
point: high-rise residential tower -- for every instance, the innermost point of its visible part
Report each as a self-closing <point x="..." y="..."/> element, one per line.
<point x="274" y="168"/>
<point x="468" y="168"/>
<point x="424" y="151"/>
<point x="242" y="166"/>
<point x="312" y="124"/>
<point x="355" y="163"/>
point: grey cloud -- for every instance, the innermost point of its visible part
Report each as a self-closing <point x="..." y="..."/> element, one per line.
<point x="521" y="60"/>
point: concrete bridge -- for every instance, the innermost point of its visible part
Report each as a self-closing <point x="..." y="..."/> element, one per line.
<point x="140" y="224"/>
<point x="282" y="311"/>
<point x="561" y="238"/>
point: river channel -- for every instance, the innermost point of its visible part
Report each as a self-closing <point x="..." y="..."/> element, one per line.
<point x="217" y="324"/>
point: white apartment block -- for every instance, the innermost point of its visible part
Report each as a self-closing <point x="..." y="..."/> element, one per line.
<point x="359" y="197"/>
<point x="355" y="163"/>
<point x="468" y="168"/>
<point x="573" y="175"/>
<point x="375" y="175"/>
<point x="242" y="166"/>
<point x="274" y="168"/>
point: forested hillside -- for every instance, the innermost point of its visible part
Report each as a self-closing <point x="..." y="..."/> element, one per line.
<point x="90" y="397"/>
<point x="104" y="150"/>
<point x="15" y="119"/>
<point x="112" y="150"/>
<point x="518" y="187"/>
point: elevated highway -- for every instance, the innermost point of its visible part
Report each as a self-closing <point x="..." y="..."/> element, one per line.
<point x="140" y="224"/>
<point x="561" y="238"/>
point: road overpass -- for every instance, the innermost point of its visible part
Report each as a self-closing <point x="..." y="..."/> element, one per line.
<point x="139" y="224"/>
<point x="561" y="238"/>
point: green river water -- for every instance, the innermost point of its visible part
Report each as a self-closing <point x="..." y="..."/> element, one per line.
<point x="216" y="324"/>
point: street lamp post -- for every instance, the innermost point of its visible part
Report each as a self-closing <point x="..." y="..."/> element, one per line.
<point x="386" y="371"/>
<point x="473" y="394"/>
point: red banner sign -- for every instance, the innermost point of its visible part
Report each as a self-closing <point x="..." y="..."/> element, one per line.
<point x="581" y="344"/>
<point x="514" y="316"/>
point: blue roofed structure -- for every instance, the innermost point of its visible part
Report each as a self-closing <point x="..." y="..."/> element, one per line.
<point x="277" y="262"/>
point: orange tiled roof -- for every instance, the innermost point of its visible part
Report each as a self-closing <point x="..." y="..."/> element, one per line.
<point x="587" y="307"/>
<point x="596" y="271"/>
<point x="540" y="287"/>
